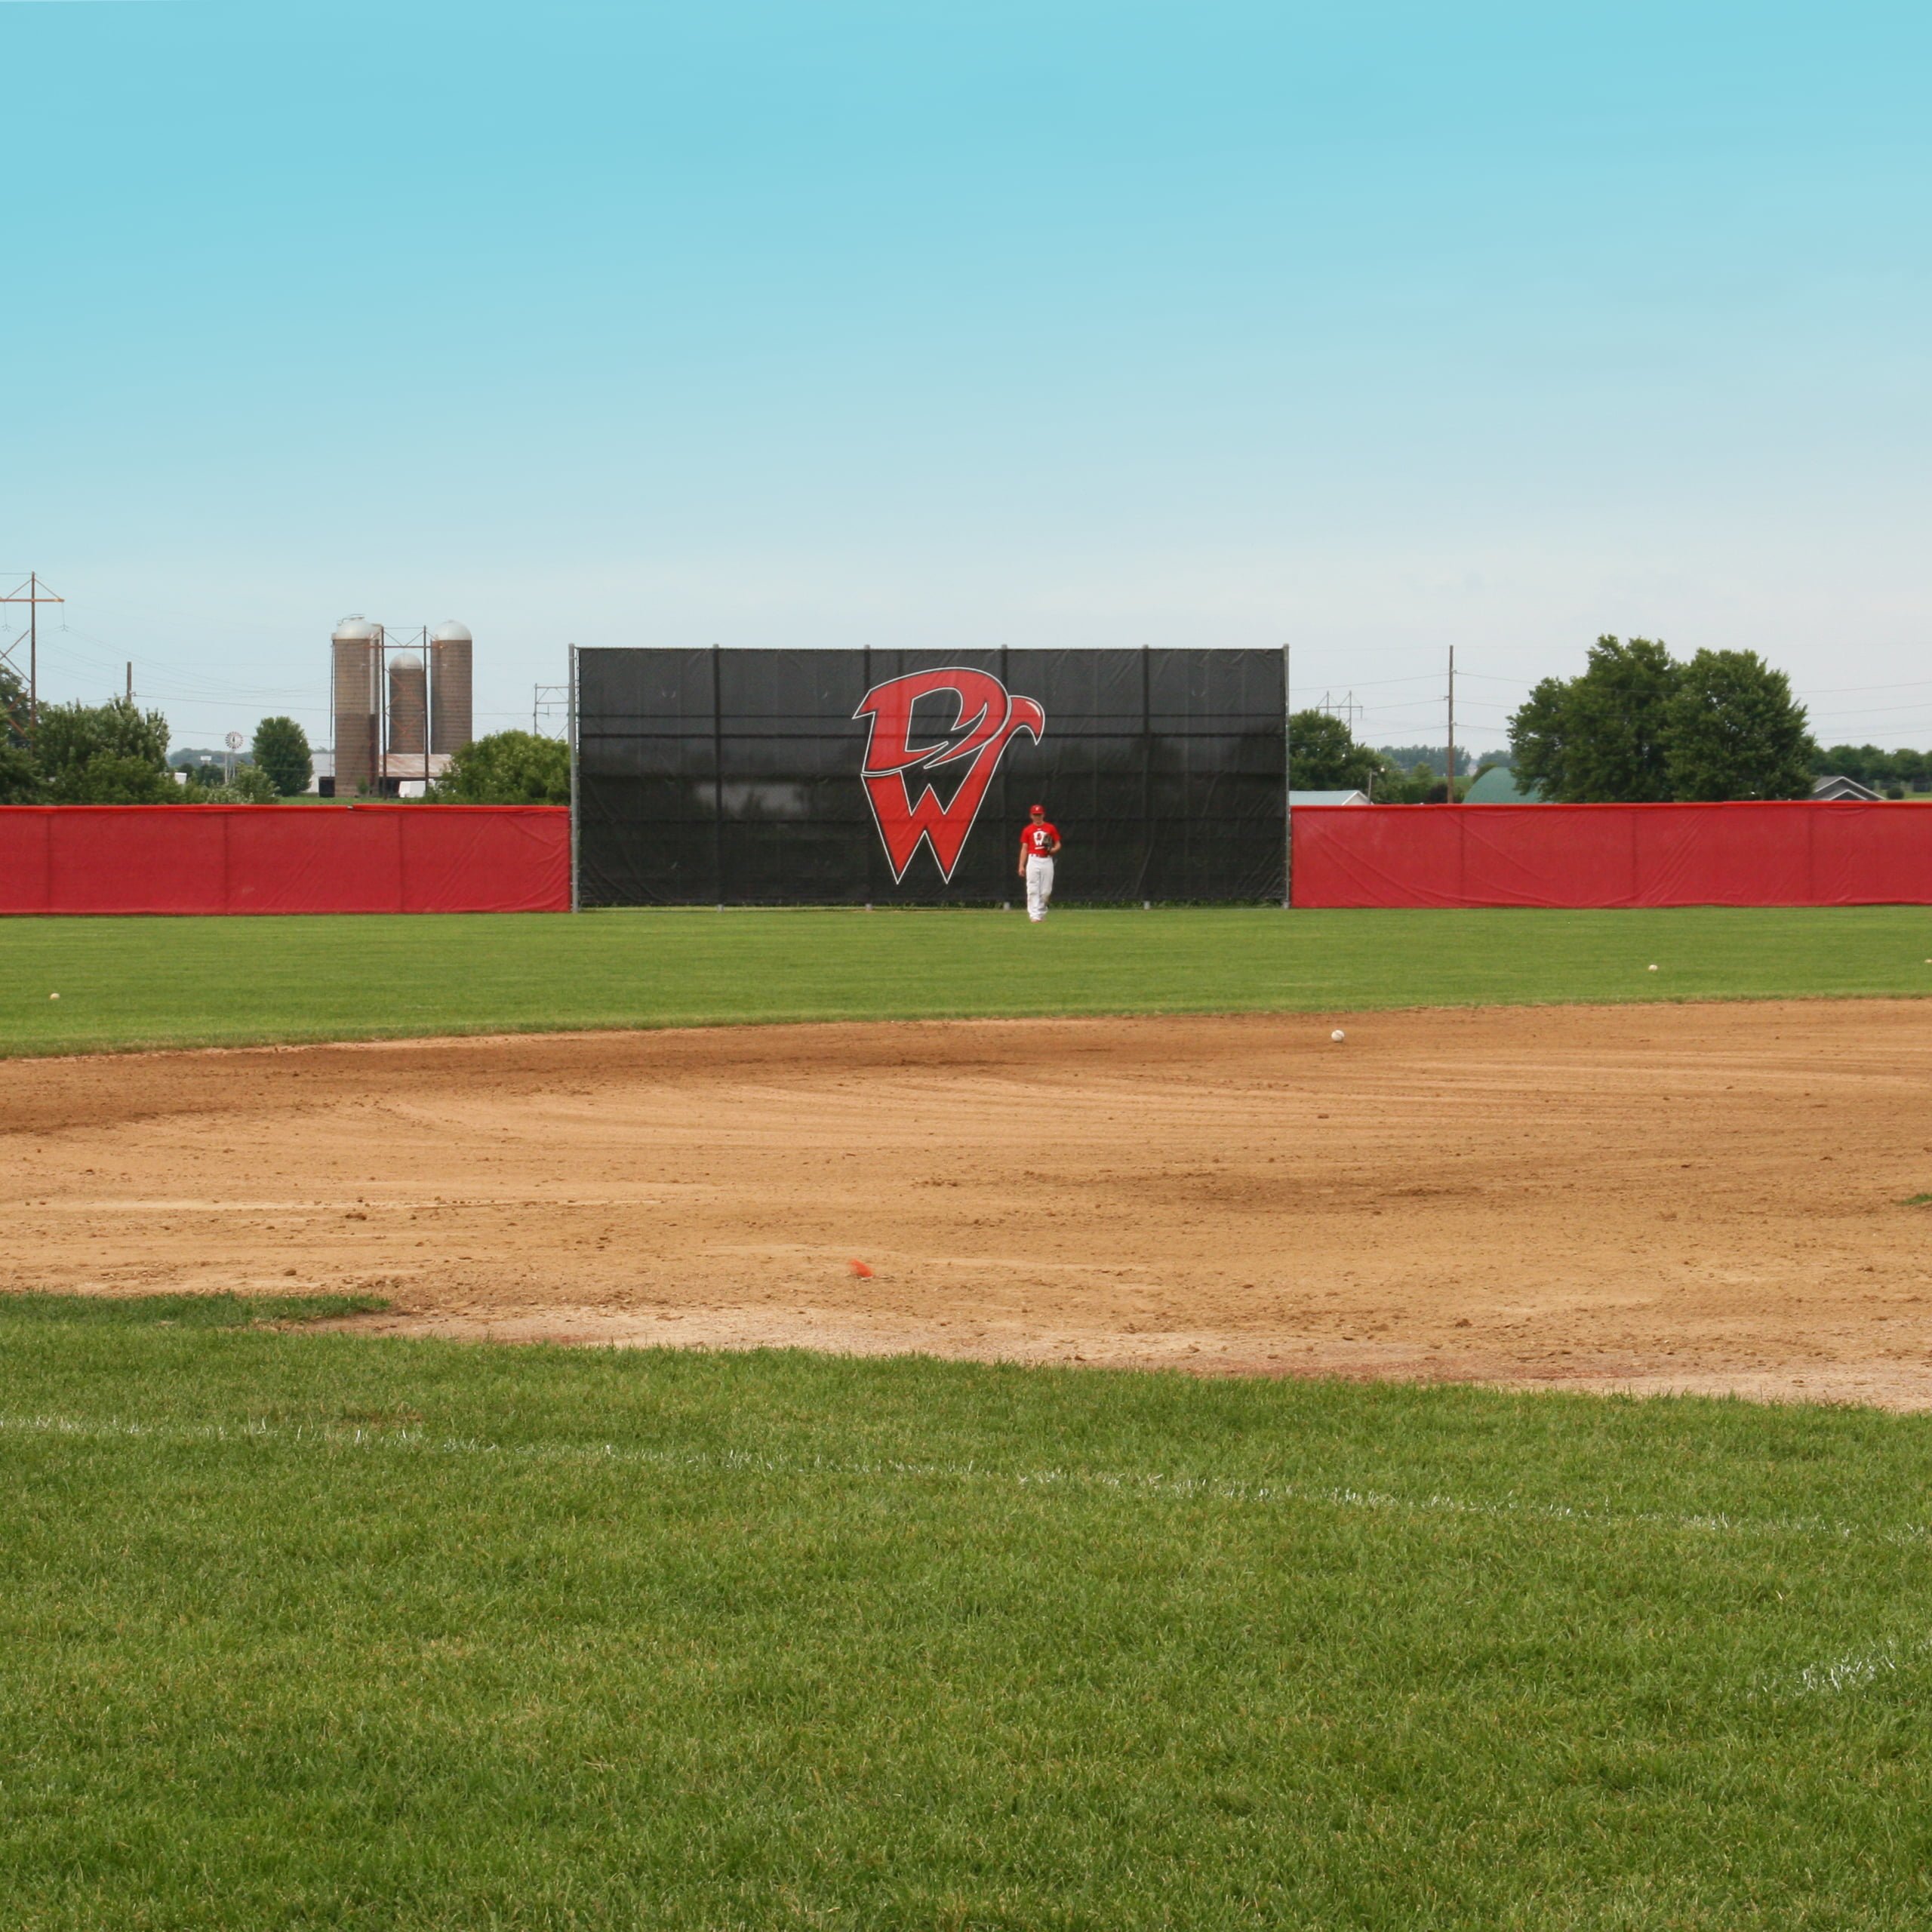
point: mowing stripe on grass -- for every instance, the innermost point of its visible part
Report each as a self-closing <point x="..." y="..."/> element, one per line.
<point x="1153" y="1484"/>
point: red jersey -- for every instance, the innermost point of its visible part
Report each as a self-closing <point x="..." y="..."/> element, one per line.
<point x="1038" y="841"/>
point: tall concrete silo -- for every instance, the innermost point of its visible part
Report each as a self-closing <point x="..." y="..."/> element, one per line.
<point x="409" y="716"/>
<point x="356" y="662"/>
<point x="450" y="719"/>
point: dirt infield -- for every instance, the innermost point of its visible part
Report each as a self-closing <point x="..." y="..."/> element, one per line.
<point x="1708" y="1198"/>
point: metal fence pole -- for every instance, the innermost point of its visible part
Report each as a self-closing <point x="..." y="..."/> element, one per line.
<point x="576" y="895"/>
<point x="1288" y="786"/>
<point x="718" y="771"/>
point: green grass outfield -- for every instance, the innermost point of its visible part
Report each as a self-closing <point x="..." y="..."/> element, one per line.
<point x="146" y="982"/>
<point x="307" y="1631"/>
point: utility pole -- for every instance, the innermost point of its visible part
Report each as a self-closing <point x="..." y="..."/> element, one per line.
<point x="1449" y="763"/>
<point x="30" y="594"/>
<point x="130" y="680"/>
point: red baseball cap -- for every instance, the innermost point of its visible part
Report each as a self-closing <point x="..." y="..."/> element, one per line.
<point x="1038" y="811"/>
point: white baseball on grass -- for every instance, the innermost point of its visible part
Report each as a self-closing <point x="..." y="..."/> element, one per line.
<point x="53" y="995"/>
<point x="1652" y="969"/>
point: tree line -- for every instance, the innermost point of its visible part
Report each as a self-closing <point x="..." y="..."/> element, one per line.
<point x="116" y="754"/>
<point x="1893" y="773"/>
<point x="1324" y="756"/>
<point x="1635" y="725"/>
<point x="1638" y="725"/>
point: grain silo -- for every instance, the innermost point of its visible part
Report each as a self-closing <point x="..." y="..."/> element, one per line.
<point x="409" y="716"/>
<point x="356" y="663"/>
<point x="450" y="722"/>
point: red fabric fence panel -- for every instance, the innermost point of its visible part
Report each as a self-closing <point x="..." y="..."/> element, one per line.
<point x="373" y="858"/>
<point x="1800" y="854"/>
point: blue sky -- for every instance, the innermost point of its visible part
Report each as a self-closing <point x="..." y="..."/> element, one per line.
<point x="1374" y="328"/>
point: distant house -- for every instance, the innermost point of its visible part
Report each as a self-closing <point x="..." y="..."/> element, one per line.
<point x="1829" y="788"/>
<point x="1327" y="797"/>
<point x="1497" y="786"/>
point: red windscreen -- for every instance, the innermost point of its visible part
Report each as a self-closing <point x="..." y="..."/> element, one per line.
<point x="1800" y="854"/>
<point x="373" y="858"/>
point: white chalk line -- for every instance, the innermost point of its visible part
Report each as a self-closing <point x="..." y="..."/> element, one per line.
<point x="1152" y="1484"/>
<point x="1855" y="1670"/>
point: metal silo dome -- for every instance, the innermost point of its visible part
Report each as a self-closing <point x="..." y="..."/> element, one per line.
<point x="452" y="632"/>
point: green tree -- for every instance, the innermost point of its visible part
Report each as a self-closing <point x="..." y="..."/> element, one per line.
<point x="1871" y="766"/>
<point x="13" y="708"/>
<point x="1421" y="784"/>
<point x="112" y="778"/>
<point x="1618" y="709"/>
<point x="20" y="781"/>
<point x="1324" y="756"/>
<point x="1406" y="757"/>
<point x="1540" y="739"/>
<point x="1735" y="731"/>
<point x="251" y="786"/>
<point x="1599" y="737"/>
<point x="1865" y="763"/>
<point x="111" y="754"/>
<point x="281" y="749"/>
<point x="508" y="768"/>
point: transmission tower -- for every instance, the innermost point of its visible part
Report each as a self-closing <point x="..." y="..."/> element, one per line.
<point x="33" y="594"/>
<point x="1346" y="708"/>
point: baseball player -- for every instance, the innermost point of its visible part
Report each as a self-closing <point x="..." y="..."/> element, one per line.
<point x="1038" y="845"/>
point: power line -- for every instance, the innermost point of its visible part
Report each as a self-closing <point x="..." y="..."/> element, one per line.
<point x="214" y="686"/>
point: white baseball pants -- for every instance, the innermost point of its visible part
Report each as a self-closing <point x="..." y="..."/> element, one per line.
<point x="1039" y="888"/>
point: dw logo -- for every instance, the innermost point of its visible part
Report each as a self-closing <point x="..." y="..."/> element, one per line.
<point x="988" y="719"/>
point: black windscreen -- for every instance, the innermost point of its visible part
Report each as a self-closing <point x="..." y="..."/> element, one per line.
<point x="825" y="777"/>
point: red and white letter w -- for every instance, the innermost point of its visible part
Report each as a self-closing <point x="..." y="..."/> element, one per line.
<point x="988" y="718"/>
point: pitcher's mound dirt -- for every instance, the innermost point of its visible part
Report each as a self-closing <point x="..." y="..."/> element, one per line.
<point x="1702" y="1198"/>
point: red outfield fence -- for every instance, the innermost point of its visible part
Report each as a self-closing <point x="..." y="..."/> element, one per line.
<point x="411" y="858"/>
<point x="375" y="858"/>
<point x="1795" y="854"/>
